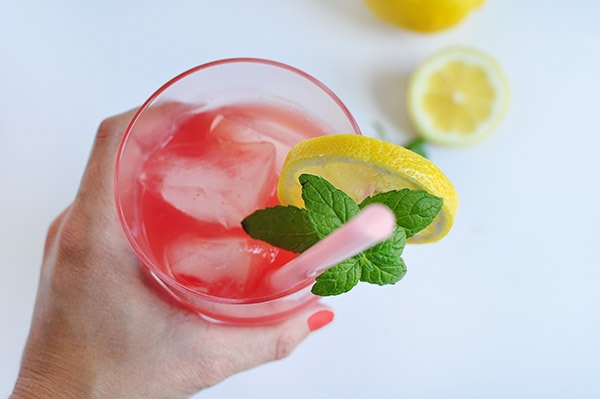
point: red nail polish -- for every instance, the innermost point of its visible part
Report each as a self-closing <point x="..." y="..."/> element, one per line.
<point x="319" y="319"/>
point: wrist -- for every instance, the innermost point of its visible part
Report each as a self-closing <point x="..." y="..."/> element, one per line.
<point x="51" y="372"/>
<point x="39" y="382"/>
<point x="38" y="386"/>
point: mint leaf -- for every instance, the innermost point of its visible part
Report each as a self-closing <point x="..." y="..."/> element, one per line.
<point x="417" y="146"/>
<point x="328" y="208"/>
<point x="414" y="209"/>
<point x="338" y="279"/>
<point x="286" y="227"/>
<point x="383" y="264"/>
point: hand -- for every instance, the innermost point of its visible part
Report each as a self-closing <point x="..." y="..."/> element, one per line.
<point x="102" y="329"/>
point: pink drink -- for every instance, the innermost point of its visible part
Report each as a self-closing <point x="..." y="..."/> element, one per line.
<point x="204" y="152"/>
<point x="217" y="168"/>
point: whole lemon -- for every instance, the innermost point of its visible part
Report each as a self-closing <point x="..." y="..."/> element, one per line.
<point x="423" y="15"/>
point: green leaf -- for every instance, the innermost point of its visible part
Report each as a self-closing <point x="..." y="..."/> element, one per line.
<point x="338" y="279"/>
<point x="417" y="146"/>
<point x="286" y="227"/>
<point x="383" y="264"/>
<point x="327" y="207"/>
<point x="414" y="209"/>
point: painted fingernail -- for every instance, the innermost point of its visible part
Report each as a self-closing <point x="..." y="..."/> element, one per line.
<point x="319" y="319"/>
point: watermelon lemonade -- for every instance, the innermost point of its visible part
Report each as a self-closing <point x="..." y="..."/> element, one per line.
<point x="217" y="168"/>
<point x="200" y="155"/>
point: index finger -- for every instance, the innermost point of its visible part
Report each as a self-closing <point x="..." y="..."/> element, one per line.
<point x="97" y="181"/>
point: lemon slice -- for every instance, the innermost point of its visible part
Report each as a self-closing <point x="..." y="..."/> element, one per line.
<point x="457" y="97"/>
<point x="362" y="166"/>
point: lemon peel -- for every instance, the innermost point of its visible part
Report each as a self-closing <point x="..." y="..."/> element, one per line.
<point x="423" y="15"/>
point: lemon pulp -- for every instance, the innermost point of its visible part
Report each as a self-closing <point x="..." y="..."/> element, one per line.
<point x="457" y="97"/>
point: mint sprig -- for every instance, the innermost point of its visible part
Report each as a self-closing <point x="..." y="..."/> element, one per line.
<point x="327" y="208"/>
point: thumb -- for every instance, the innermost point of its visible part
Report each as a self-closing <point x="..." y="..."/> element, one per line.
<point x="241" y="348"/>
<point x="279" y="341"/>
<point x="286" y="337"/>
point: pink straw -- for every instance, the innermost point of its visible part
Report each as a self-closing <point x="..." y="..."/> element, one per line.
<point x="373" y="225"/>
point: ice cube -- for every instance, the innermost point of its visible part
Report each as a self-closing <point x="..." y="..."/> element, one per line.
<point x="223" y="186"/>
<point x="224" y="266"/>
<point x="208" y="260"/>
<point x="283" y="133"/>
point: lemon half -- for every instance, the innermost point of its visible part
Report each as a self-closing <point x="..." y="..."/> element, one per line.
<point x="457" y="97"/>
<point x="423" y="15"/>
<point x="362" y="166"/>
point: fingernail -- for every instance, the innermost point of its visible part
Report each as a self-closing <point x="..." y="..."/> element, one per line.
<point x="319" y="319"/>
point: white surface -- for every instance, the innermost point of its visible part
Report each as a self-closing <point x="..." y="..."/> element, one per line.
<point x="505" y="307"/>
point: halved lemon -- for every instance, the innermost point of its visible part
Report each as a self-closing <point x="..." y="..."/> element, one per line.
<point x="457" y="97"/>
<point x="423" y="15"/>
<point x="362" y="166"/>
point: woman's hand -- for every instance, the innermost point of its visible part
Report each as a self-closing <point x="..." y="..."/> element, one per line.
<point x="101" y="329"/>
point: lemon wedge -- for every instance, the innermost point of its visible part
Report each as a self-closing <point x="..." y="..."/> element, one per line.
<point x="362" y="166"/>
<point x="423" y="15"/>
<point x="457" y="97"/>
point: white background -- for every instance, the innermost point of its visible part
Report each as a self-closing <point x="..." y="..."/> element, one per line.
<point x="507" y="306"/>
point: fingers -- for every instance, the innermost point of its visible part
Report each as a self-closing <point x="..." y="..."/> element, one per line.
<point x="53" y="233"/>
<point x="286" y="338"/>
<point x="243" y="348"/>
<point x="97" y="182"/>
<point x="319" y="319"/>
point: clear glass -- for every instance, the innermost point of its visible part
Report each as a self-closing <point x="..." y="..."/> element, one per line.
<point x="201" y="90"/>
